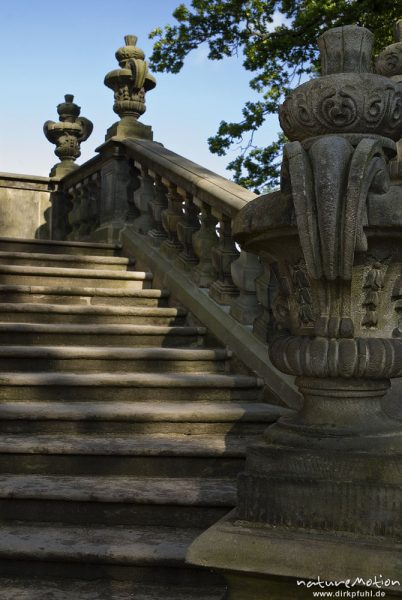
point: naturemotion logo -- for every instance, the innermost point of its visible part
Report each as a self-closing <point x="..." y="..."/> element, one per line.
<point x="346" y="588"/>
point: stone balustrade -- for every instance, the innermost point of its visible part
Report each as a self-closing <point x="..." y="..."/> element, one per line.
<point x="195" y="208"/>
<point x="183" y="214"/>
<point x="173" y="212"/>
<point x="181" y="208"/>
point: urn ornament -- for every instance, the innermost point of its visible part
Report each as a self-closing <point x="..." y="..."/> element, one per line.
<point x="67" y="134"/>
<point x="332" y="237"/>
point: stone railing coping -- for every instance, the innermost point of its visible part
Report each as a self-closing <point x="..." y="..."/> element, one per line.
<point x="221" y="194"/>
<point x="91" y="166"/>
<point x="25" y="182"/>
<point x="207" y="186"/>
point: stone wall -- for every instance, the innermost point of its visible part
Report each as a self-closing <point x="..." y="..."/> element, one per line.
<point x="25" y="206"/>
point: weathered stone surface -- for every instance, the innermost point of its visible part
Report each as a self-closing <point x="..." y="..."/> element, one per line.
<point x="19" y="244"/>
<point x="245" y="270"/>
<point x="130" y="84"/>
<point x="173" y="412"/>
<point x="140" y="440"/>
<point x="25" y="204"/>
<point x="331" y="239"/>
<point x="250" y="350"/>
<point x="106" y="335"/>
<point x="84" y="277"/>
<point x="59" y="589"/>
<point x="67" y="134"/>
<point x="66" y="260"/>
<point x="83" y="295"/>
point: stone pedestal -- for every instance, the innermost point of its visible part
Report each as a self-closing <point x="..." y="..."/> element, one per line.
<point x="320" y="498"/>
<point x="129" y="127"/>
<point x="280" y="563"/>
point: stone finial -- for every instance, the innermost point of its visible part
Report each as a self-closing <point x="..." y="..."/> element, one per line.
<point x="346" y="50"/>
<point x="67" y="134"/>
<point x="389" y="61"/>
<point x="130" y="84"/>
<point x="348" y="98"/>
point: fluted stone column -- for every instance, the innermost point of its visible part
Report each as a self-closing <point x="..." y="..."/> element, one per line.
<point x="321" y="494"/>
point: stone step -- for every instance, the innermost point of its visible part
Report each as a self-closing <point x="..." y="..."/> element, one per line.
<point x="62" y="313"/>
<point x="99" y="417"/>
<point x="82" y="295"/>
<point x="134" y="490"/>
<point x="103" y="335"/>
<point x="144" y="554"/>
<point x="151" y="455"/>
<point x="81" y="261"/>
<point x="71" y="277"/>
<point x="58" y="247"/>
<point x="122" y="359"/>
<point x="75" y="387"/>
<point x="175" y="502"/>
<point x="60" y="589"/>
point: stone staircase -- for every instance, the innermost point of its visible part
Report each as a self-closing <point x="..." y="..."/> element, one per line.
<point x="122" y="429"/>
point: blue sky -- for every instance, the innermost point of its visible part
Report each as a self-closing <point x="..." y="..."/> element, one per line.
<point x="52" y="48"/>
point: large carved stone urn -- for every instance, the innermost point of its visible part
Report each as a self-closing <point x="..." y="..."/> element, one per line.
<point x="130" y="83"/>
<point x="321" y="495"/>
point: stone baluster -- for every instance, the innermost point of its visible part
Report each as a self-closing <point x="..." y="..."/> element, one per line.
<point x="89" y="206"/>
<point x="246" y="308"/>
<point x="186" y="228"/>
<point x="133" y="185"/>
<point x="142" y="199"/>
<point x="171" y="216"/>
<point x="94" y="187"/>
<point x="74" y="216"/>
<point x="85" y="211"/>
<point x="223" y="289"/>
<point x="265" y="289"/>
<point x="204" y="241"/>
<point x="158" y="204"/>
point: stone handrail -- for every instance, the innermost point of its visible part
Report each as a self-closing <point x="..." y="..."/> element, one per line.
<point x="217" y="191"/>
<point x="176" y="218"/>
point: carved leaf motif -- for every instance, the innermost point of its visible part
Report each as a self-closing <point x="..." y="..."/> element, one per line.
<point x="375" y="278"/>
<point x="372" y="286"/>
<point x="370" y="319"/>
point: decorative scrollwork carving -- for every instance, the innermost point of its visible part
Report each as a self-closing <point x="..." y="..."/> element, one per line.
<point x="347" y="102"/>
<point x="338" y="108"/>
<point x="389" y="61"/>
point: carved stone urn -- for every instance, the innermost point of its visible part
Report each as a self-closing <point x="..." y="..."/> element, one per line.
<point x="321" y="495"/>
<point x="67" y="134"/>
<point x="130" y="84"/>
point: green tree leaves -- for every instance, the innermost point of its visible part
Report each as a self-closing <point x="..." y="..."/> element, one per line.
<point x="277" y="55"/>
